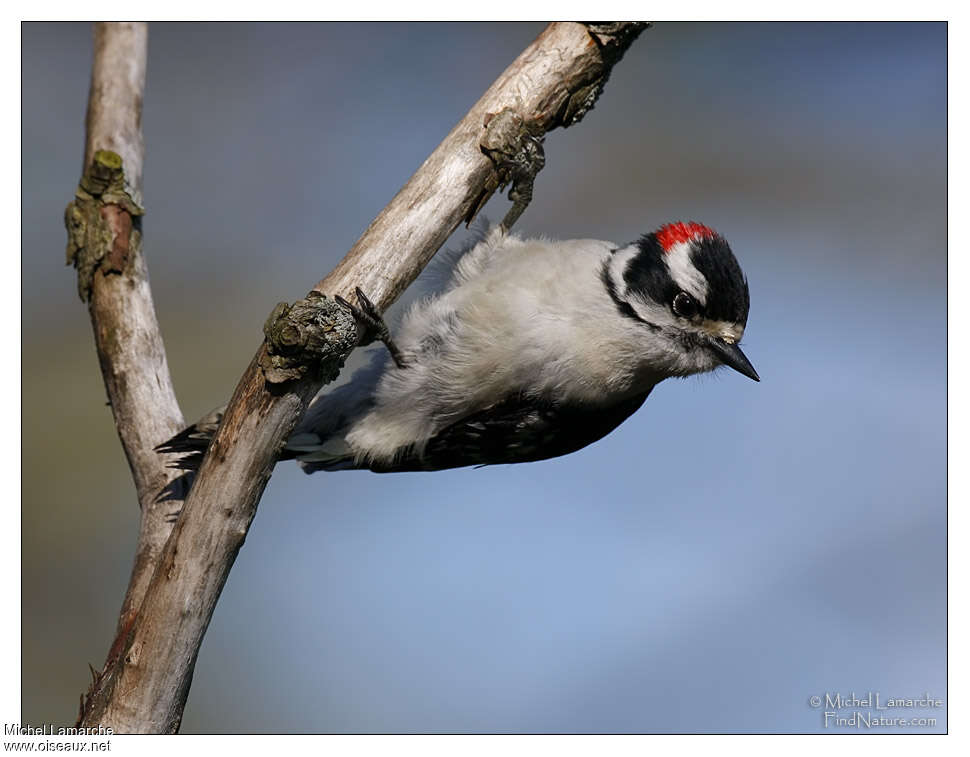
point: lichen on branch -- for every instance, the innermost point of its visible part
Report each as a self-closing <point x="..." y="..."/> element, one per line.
<point x="102" y="222"/>
<point x="313" y="336"/>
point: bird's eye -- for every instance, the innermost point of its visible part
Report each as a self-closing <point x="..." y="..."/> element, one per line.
<point x="684" y="305"/>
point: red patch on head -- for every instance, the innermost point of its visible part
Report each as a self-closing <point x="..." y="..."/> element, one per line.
<point x="675" y="233"/>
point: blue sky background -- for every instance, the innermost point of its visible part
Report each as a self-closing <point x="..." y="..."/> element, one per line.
<point x="733" y="549"/>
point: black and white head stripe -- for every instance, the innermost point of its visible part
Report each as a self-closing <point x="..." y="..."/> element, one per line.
<point x="648" y="274"/>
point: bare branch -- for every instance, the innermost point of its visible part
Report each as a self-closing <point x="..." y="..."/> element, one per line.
<point x="104" y="242"/>
<point x="552" y="83"/>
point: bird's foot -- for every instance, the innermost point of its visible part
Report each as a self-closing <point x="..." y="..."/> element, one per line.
<point x="371" y="326"/>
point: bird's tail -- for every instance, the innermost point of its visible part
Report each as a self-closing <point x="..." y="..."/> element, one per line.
<point x="317" y="442"/>
<point x="192" y="442"/>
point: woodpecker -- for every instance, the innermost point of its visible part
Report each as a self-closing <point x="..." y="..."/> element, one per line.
<point x="534" y="349"/>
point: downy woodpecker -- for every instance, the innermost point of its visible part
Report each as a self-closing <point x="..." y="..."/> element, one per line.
<point x="534" y="349"/>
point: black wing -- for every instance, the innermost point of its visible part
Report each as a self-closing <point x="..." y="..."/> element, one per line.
<point x="517" y="430"/>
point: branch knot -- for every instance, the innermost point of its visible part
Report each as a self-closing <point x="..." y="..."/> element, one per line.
<point x="313" y="335"/>
<point x="101" y="231"/>
<point x="514" y="145"/>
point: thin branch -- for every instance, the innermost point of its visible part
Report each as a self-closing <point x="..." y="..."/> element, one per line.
<point x="104" y="242"/>
<point x="552" y="83"/>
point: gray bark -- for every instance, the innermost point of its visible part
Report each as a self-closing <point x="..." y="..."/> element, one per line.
<point x="105" y="243"/>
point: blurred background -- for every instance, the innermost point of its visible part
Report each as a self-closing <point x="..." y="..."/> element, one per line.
<point x="791" y="539"/>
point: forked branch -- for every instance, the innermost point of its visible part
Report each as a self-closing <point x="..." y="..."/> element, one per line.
<point x="554" y="82"/>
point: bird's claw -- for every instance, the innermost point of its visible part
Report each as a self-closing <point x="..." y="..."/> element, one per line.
<point x="371" y="325"/>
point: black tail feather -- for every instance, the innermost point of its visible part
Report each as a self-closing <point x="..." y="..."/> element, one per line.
<point x="191" y="443"/>
<point x="189" y="440"/>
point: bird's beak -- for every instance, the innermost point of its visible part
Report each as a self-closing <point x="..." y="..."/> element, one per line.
<point x="732" y="357"/>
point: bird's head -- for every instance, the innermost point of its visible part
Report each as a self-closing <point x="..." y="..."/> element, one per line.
<point x="684" y="287"/>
